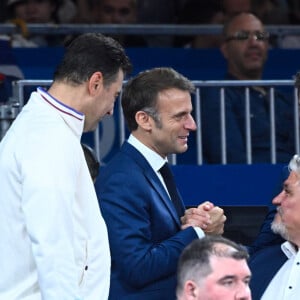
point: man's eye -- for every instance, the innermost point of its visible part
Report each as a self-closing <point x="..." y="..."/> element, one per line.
<point x="227" y="282"/>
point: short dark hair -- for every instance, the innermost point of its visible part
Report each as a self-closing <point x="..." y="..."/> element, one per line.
<point x="194" y="261"/>
<point x="89" y="53"/>
<point x="141" y="92"/>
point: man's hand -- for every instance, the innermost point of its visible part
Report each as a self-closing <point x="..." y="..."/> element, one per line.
<point x="208" y="217"/>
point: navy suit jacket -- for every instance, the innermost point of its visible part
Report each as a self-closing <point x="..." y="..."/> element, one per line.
<point x="264" y="264"/>
<point x="143" y="228"/>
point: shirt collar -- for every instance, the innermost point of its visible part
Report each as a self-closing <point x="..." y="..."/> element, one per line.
<point x="72" y="117"/>
<point x="289" y="249"/>
<point x="154" y="159"/>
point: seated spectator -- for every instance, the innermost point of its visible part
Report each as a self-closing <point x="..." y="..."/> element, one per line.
<point x="275" y="268"/>
<point x="245" y="47"/>
<point x="213" y="268"/>
<point x="117" y="12"/>
<point x="23" y="12"/>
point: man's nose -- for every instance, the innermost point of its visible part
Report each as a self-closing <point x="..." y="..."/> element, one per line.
<point x="243" y="293"/>
<point x="190" y="123"/>
<point x="277" y="199"/>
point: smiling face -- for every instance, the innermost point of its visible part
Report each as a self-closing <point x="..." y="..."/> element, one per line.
<point x="246" y="57"/>
<point x="229" y="280"/>
<point x="170" y="133"/>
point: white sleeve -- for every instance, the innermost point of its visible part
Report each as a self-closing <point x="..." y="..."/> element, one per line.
<point x="199" y="232"/>
<point x="49" y="171"/>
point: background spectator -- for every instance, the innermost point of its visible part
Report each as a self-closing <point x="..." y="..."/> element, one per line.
<point x="22" y="12"/>
<point x="117" y="12"/>
<point x="245" y="48"/>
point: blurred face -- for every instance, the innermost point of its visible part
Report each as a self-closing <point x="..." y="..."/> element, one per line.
<point x="288" y="208"/>
<point x="170" y="134"/>
<point x="246" y="47"/>
<point x="115" y="11"/>
<point x="34" y="11"/>
<point x="102" y="103"/>
<point x="229" y="280"/>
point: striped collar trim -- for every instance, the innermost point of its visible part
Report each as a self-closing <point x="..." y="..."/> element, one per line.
<point x="65" y="109"/>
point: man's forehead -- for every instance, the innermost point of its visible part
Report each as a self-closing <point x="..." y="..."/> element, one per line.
<point x="292" y="179"/>
<point x="245" y="22"/>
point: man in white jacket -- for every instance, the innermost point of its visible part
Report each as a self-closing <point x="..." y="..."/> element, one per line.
<point x="53" y="239"/>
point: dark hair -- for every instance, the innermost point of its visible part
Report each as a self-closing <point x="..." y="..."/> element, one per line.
<point x="194" y="262"/>
<point x="89" y="53"/>
<point x="141" y="92"/>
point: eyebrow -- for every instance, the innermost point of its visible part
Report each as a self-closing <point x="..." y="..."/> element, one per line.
<point x="226" y="277"/>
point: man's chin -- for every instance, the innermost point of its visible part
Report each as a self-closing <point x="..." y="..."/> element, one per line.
<point x="279" y="228"/>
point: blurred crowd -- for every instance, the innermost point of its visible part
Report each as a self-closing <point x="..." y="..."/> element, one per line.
<point x="23" y="12"/>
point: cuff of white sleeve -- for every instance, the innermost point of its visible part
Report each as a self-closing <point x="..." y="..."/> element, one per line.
<point x="199" y="232"/>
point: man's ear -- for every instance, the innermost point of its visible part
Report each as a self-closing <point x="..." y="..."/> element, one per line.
<point x="190" y="290"/>
<point x="95" y="83"/>
<point x="223" y="49"/>
<point x="144" y="120"/>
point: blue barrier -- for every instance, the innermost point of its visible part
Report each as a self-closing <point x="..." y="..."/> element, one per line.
<point x="197" y="64"/>
<point x="240" y="185"/>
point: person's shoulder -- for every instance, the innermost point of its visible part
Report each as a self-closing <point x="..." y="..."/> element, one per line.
<point x="266" y="254"/>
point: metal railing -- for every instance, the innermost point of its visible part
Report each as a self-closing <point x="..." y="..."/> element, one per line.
<point x="18" y="98"/>
<point x="138" y="29"/>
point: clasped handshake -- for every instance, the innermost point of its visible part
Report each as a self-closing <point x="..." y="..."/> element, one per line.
<point x="208" y="217"/>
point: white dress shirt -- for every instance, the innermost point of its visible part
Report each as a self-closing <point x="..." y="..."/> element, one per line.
<point x="285" y="284"/>
<point x="54" y="242"/>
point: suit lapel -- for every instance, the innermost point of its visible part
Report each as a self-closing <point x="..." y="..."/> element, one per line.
<point x="152" y="177"/>
<point x="157" y="185"/>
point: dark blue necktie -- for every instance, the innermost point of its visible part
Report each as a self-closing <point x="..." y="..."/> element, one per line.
<point x="167" y="175"/>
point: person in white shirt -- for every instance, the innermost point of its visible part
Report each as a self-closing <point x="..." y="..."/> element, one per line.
<point x="276" y="268"/>
<point x="54" y="242"/>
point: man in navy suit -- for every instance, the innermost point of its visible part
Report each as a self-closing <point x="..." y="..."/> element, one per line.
<point x="148" y="226"/>
<point x="275" y="269"/>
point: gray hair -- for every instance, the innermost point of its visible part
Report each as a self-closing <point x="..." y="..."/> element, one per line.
<point x="194" y="262"/>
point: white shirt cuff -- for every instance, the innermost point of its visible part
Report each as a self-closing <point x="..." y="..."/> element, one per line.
<point x="199" y="232"/>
